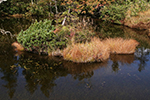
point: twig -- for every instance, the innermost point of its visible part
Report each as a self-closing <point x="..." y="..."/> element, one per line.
<point x="56" y="6"/>
<point x="65" y="17"/>
<point x="6" y="32"/>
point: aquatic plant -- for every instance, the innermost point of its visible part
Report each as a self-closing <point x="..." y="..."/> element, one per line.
<point x="121" y="46"/>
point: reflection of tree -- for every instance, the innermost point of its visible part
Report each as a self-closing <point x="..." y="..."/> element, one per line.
<point x="9" y="73"/>
<point x="82" y="76"/>
<point x="31" y="85"/>
<point x="10" y="76"/>
<point x="44" y="78"/>
<point x="141" y="55"/>
<point x="41" y="71"/>
<point x="82" y="71"/>
<point x="47" y="86"/>
<point x="120" y="58"/>
<point x="115" y="66"/>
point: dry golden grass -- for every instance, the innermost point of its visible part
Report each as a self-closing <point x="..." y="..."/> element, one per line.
<point x="121" y="46"/>
<point x="87" y="52"/>
<point x="98" y="50"/>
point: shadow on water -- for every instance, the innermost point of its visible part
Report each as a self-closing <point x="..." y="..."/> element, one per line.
<point x="29" y="76"/>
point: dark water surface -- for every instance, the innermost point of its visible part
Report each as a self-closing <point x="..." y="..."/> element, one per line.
<point x="26" y="76"/>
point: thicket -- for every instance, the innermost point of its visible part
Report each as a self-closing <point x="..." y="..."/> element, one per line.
<point x="14" y="7"/>
<point x="117" y="11"/>
<point x="40" y="37"/>
<point x="43" y="37"/>
<point x="68" y="10"/>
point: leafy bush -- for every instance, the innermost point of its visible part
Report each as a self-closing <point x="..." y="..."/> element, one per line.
<point x="138" y="6"/>
<point x="13" y="7"/>
<point x="76" y="33"/>
<point x="114" y="12"/>
<point x="120" y="9"/>
<point x="37" y="10"/>
<point x="40" y="37"/>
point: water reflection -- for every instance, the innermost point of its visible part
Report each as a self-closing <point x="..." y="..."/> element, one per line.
<point x="123" y="59"/>
<point x="41" y="72"/>
<point x="82" y="71"/>
<point x="142" y="55"/>
<point x="10" y="76"/>
<point x="45" y="70"/>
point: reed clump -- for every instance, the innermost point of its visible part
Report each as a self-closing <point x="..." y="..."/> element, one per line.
<point x="92" y="51"/>
<point x="98" y="50"/>
<point x="121" y="46"/>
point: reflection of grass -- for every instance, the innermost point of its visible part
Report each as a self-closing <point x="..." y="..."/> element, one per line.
<point x="122" y="58"/>
<point x="97" y="50"/>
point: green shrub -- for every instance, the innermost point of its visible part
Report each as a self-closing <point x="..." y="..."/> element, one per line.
<point x="119" y="10"/>
<point x="80" y="35"/>
<point x="11" y="7"/>
<point x="114" y="12"/>
<point x="40" y="36"/>
<point x="44" y="37"/>
<point x="37" y="10"/>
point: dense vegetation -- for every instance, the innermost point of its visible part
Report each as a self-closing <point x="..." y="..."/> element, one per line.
<point x="43" y="36"/>
<point x="66" y="10"/>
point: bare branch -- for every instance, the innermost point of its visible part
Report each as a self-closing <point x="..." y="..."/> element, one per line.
<point x="6" y="32"/>
<point x="65" y="17"/>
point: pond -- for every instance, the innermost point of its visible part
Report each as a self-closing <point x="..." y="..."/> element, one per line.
<point x="27" y="76"/>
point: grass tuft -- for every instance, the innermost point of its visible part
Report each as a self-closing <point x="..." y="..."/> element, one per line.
<point x="98" y="50"/>
<point x="121" y="46"/>
<point x="87" y="52"/>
